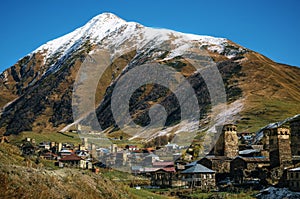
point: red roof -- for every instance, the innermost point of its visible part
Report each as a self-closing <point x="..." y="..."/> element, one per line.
<point x="71" y="157"/>
<point x="169" y="169"/>
<point x="147" y="169"/>
<point x="163" y="164"/>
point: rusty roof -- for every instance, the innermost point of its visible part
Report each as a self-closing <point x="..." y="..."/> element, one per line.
<point x="71" y="157"/>
<point x="254" y="159"/>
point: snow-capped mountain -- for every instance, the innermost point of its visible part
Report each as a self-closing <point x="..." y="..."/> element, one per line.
<point x="113" y="31"/>
<point x="36" y="93"/>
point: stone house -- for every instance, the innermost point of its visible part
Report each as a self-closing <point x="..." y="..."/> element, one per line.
<point x="242" y="168"/>
<point x="295" y="136"/>
<point x="163" y="177"/>
<point x="220" y="164"/>
<point x="199" y="176"/>
<point x="71" y="160"/>
<point x="293" y="179"/>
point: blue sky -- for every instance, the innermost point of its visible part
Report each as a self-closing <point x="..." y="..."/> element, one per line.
<point x="270" y="27"/>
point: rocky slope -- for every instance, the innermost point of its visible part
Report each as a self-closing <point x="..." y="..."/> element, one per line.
<point x="36" y="93"/>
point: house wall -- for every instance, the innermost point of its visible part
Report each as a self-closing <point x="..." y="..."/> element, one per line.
<point x="203" y="181"/>
<point x="221" y="166"/>
<point x="218" y="165"/>
<point x="295" y="137"/>
<point x="280" y="147"/>
<point x="237" y="164"/>
<point x="294" y="180"/>
<point x="161" y="179"/>
<point x="208" y="181"/>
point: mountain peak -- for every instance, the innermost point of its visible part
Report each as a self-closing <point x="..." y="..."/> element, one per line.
<point x="106" y="17"/>
<point x="95" y="29"/>
<point x="104" y="21"/>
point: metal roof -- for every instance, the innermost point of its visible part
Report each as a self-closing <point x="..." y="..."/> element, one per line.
<point x="248" y="151"/>
<point x="198" y="168"/>
<point x="192" y="163"/>
<point x="295" y="169"/>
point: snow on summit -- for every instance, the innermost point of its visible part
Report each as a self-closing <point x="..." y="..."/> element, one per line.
<point x="111" y="30"/>
<point x="96" y="28"/>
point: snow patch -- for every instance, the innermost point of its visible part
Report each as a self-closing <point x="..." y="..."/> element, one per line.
<point x="4" y="76"/>
<point x="225" y="114"/>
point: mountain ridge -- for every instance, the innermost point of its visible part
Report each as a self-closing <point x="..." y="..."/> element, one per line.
<point x="35" y="77"/>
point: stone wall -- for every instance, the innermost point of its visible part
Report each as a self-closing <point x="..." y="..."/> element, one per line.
<point x="295" y="137"/>
<point x="227" y="144"/>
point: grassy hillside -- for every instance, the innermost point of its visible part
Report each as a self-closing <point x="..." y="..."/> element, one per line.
<point x="271" y="91"/>
<point x="22" y="178"/>
<point x="67" y="137"/>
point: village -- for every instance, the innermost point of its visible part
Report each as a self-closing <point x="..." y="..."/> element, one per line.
<point x="238" y="160"/>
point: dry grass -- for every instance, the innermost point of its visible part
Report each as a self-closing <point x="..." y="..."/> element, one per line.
<point x="25" y="180"/>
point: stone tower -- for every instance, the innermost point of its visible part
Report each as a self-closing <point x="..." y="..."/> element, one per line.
<point x="295" y="136"/>
<point x="279" y="146"/>
<point x="227" y="144"/>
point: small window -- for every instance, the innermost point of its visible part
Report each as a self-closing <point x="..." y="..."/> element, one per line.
<point x="292" y="175"/>
<point x="297" y="175"/>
